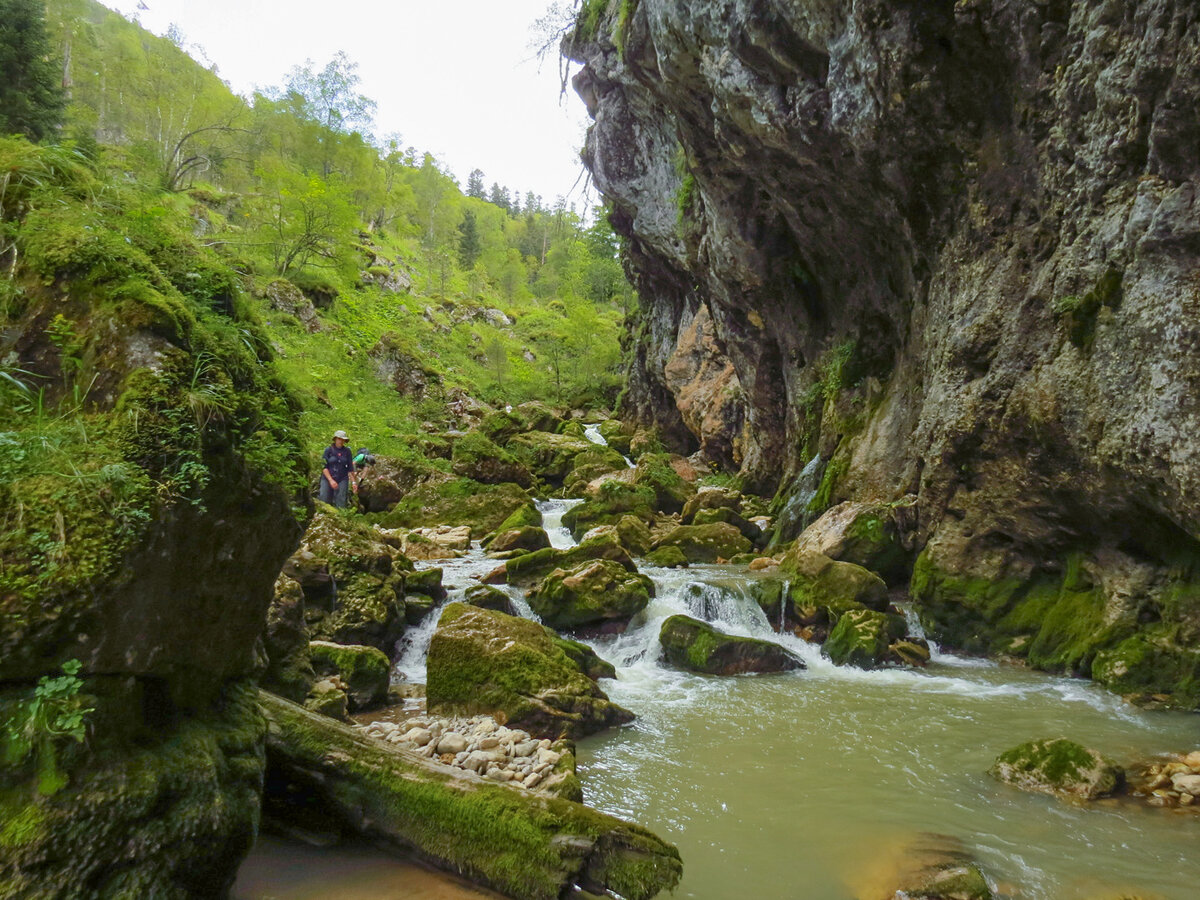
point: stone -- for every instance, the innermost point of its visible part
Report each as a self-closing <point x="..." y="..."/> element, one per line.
<point x="451" y="742"/>
<point x="443" y="500"/>
<point x="289" y="671"/>
<point x="482" y="661"/>
<point x="634" y="535"/>
<point x="863" y="637"/>
<point x="655" y="472"/>
<point x="328" y="699"/>
<point x="1059" y="767"/>
<point x="668" y="557"/>
<point x="866" y="534"/>
<point x="534" y="566"/>
<point x="590" y="595"/>
<point x="698" y="647"/>
<point x="711" y="498"/>
<point x="612" y="502"/>
<point x="550" y="457"/>
<point x="1193" y="759"/>
<point x="396" y="362"/>
<point x="528" y="537"/>
<point x="706" y="543"/>
<point x="385" y="483"/>
<point x="487" y="597"/>
<point x="1186" y="784"/>
<point x="762" y="563"/>
<point x="749" y="530"/>
<point x="820" y="588"/>
<point x="477" y="457"/>
<point x="364" y="670"/>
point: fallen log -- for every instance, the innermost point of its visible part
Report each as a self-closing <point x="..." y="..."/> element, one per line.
<point x="513" y="841"/>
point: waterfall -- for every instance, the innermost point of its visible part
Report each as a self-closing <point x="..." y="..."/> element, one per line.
<point x="552" y="512"/>
<point x="592" y="433"/>
<point x="783" y="604"/>
<point x="795" y="516"/>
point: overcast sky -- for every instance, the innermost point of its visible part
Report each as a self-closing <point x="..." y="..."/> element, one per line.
<point x="455" y="77"/>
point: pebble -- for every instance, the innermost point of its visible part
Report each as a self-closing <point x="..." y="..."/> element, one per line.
<point x="1193" y="759"/>
<point x="478" y="744"/>
<point x="1186" y="784"/>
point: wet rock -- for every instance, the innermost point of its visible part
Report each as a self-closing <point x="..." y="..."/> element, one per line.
<point x="441" y="500"/>
<point x="550" y="457"/>
<point x="761" y="563"/>
<point x="711" y="498"/>
<point x="481" y="661"/>
<point x="487" y="597"/>
<point x="863" y="637"/>
<point x="706" y="543"/>
<point x="289" y="670"/>
<point x="604" y="544"/>
<point x="328" y="699"/>
<point x="910" y="652"/>
<point x="821" y="589"/>
<point x="364" y="670"/>
<point x="613" y="501"/>
<point x="590" y="465"/>
<point x="634" y="535"/>
<point x="591" y="595"/>
<point x="749" y="530"/>
<point x="477" y="457"/>
<point x="866" y="534"/>
<point x="668" y="557"/>
<point x="698" y="647"/>
<point x="656" y="473"/>
<point x="528" y="537"/>
<point x="1059" y="767"/>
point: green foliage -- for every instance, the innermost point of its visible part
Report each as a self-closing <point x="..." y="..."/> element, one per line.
<point x="31" y="96"/>
<point x="621" y="32"/>
<point x="1080" y="313"/>
<point x="587" y="20"/>
<point x="56" y="715"/>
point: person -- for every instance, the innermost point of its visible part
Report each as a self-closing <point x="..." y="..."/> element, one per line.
<point x="338" y="477"/>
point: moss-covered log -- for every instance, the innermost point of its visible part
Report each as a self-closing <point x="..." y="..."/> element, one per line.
<point x="518" y="843"/>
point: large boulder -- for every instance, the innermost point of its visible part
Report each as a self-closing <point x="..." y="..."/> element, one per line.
<point x="590" y="465"/>
<point x="1058" y="767"/>
<point x="477" y="457"/>
<point x="669" y="557"/>
<point x="601" y="544"/>
<point x="749" y="530"/>
<point x="706" y="543"/>
<point x="519" y="843"/>
<point x="457" y="501"/>
<point x="866" y="534"/>
<point x="613" y="501"/>
<point x="385" y="483"/>
<point x="591" y="595"/>
<point x="655" y="472"/>
<point x="364" y="670"/>
<point x="487" y="597"/>
<point x="527" y="538"/>
<point x="289" y="671"/>
<point x="698" y="647"/>
<point x="863" y="638"/>
<point x="353" y="581"/>
<point x="711" y="498"/>
<point x="483" y="661"/>
<point x="821" y="589"/>
<point x="539" y="416"/>
<point x="442" y="542"/>
<point x="550" y="457"/>
<point x="634" y="535"/>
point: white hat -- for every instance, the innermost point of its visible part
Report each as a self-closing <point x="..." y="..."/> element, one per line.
<point x="342" y="435"/>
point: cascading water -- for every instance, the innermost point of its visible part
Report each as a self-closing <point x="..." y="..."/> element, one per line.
<point x="794" y="515"/>
<point x="784" y="594"/>
<point x="552" y="513"/>
<point x="592" y="433"/>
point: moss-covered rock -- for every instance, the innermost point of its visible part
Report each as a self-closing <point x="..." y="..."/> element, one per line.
<point x="698" y="647"/>
<point x="655" y="472"/>
<point x="749" y="530"/>
<point x="550" y="457"/>
<point x="669" y="557"/>
<point x="523" y="516"/>
<point x="594" y="595"/>
<point x="866" y="534"/>
<point x="487" y="597"/>
<point x="821" y="589"/>
<point x="458" y="501"/>
<point x="586" y="659"/>
<point x="590" y="465"/>
<point x="617" y="434"/>
<point x="482" y="661"/>
<point x="540" y="417"/>
<point x="289" y="671"/>
<point x="500" y="425"/>
<point x="634" y="535"/>
<point x="476" y="457"/>
<point x="384" y="484"/>
<point x="614" y="501"/>
<point x="364" y="670"/>
<point x="711" y="498"/>
<point x="516" y="842"/>
<point x="603" y="544"/>
<point x="1059" y="767"/>
<point x="353" y="581"/>
<point x="328" y="698"/>
<point x="528" y="538"/>
<point x="1151" y="663"/>
<point x="862" y="637"/>
<point x="706" y="543"/>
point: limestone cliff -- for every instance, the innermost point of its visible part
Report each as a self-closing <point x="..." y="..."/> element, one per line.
<point x="950" y="250"/>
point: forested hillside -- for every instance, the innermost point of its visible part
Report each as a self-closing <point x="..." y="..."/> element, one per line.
<point x="393" y="298"/>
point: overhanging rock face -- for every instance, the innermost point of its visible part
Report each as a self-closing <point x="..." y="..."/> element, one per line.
<point x="951" y="250"/>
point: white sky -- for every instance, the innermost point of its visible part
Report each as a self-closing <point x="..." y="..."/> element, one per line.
<point x="456" y="78"/>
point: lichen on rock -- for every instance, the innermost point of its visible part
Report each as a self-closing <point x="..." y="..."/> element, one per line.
<point x="1059" y="767"/>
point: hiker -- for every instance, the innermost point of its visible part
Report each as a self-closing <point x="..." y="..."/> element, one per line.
<point x="338" y="475"/>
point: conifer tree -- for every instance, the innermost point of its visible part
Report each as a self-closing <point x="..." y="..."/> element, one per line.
<point x="31" y="95"/>
<point x="475" y="186"/>
<point x="469" y="246"/>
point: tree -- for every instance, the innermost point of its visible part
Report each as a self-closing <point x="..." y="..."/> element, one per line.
<point x="330" y="99"/>
<point x="469" y="247"/>
<point x="31" y="94"/>
<point x="475" y="186"/>
<point x="497" y="358"/>
<point x="306" y="218"/>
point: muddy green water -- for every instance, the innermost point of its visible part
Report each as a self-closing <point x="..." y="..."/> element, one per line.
<point x="815" y="784"/>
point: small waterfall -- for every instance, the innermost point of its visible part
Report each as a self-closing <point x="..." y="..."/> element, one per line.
<point x="795" y="515"/>
<point x="552" y="513"/>
<point x="783" y="604"/>
<point x="592" y="433"/>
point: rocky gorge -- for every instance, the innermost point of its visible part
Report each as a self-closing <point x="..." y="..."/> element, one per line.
<point x="937" y="255"/>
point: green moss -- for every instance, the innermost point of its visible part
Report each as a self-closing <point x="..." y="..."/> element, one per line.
<point x="615" y="501"/>
<point x="621" y="31"/>
<point x="365" y="670"/>
<point x="1059" y="767"/>
<point x="460" y="501"/>
<point x="698" y="647"/>
<point x="590" y="594"/>
<point x="861" y="638"/>
<point x="1080" y="313"/>
<point x="669" y="557"/>
<point x="834" y="472"/>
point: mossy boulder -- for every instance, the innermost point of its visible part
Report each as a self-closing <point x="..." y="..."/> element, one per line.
<point x="521" y="517"/>
<point x="364" y="670"/>
<point x="698" y="647"/>
<point x="592" y="595"/>
<point x="500" y="425"/>
<point x="1059" y="767"/>
<point x="487" y="597"/>
<point x="866" y="534"/>
<point x="1155" y="662"/>
<point x="289" y="671"/>
<point x="863" y="638"/>
<point x="384" y="484"/>
<point x="614" y="501"/>
<point x="550" y="457"/>
<point x="669" y="557"/>
<point x="634" y="535"/>
<point x="328" y="697"/>
<point x="617" y="434"/>
<point x="603" y="544"/>
<point x="586" y="659"/>
<point x="590" y="465"/>
<point x="457" y="501"/>
<point x="821" y="589"/>
<point x="749" y="530"/>
<point x="528" y="538"/>
<point x="514" y="841"/>
<point x="711" y="498"/>
<point x="645" y="440"/>
<point x="539" y="416"/>
<point x="706" y="543"/>
<point x="353" y="581"/>
<point x="573" y="428"/>
<point x="483" y="661"/>
<point x="655" y="472"/>
<point x="478" y="458"/>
